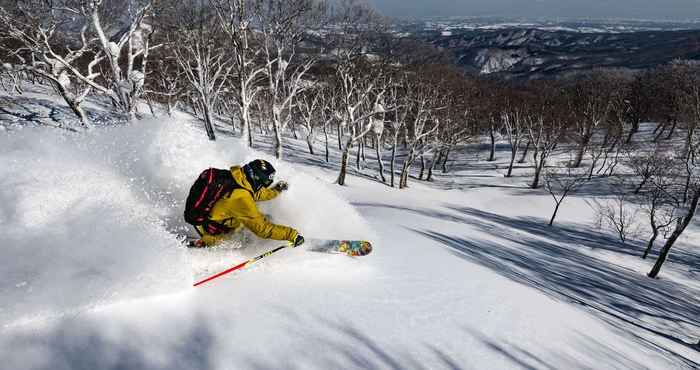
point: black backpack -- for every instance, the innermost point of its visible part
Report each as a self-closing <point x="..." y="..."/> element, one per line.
<point x="212" y="185"/>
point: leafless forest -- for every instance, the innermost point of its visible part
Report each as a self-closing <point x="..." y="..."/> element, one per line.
<point x="335" y="76"/>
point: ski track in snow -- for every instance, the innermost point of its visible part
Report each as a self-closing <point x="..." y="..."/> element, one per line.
<point x="465" y="278"/>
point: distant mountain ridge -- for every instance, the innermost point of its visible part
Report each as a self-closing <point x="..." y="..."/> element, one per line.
<point x="519" y="52"/>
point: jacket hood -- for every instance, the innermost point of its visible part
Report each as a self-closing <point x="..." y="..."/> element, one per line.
<point x="241" y="179"/>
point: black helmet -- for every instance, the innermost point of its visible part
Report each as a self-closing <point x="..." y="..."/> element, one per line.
<point x="260" y="173"/>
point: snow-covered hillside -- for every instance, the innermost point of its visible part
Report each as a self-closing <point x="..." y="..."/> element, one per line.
<point x="464" y="273"/>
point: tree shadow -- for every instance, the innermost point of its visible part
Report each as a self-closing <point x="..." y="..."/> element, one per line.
<point x="527" y="251"/>
<point x="567" y="233"/>
<point x="650" y="311"/>
<point x="75" y="344"/>
<point x="598" y="355"/>
<point x="44" y="112"/>
<point x="342" y="345"/>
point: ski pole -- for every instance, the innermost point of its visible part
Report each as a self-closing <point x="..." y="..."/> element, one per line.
<point x="242" y="265"/>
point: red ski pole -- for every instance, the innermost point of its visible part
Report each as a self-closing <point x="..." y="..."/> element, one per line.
<point x="244" y="264"/>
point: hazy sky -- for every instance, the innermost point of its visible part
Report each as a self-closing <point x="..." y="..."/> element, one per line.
<point x="647" y="9"/>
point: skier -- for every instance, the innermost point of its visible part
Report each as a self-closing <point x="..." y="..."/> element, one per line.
<point x="236" y="209"/>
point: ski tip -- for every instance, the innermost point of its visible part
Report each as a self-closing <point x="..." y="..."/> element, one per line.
<point x="356" y="248"/>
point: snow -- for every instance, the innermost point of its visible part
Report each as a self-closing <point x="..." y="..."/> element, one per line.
<point x="464" y="273"/>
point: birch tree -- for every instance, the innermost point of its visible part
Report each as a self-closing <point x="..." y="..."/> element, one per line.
<point x="420" y="104"/>
<point x="207" y="69"/>
<point x="513" y="117"/>
<point x="126" y="51"/>
<point x="310" y="108"/>
<point x="37" y="29"/>
<point x="283" y="25"/>
<point x="561" y="184"/>
<point x="545" y="125"/>
<point x="361" y="93"/>
<point x="236" y="18"/>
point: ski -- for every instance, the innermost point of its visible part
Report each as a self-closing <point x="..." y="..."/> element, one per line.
<point x="353" y="248"/>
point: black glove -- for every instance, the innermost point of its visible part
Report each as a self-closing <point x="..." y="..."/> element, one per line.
<point x="215" y="228"/>
<point x="281" y="186"/>
<point x="299" y="240"/>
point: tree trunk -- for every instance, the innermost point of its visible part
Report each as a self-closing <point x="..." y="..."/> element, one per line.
<point x="539" y="165"/>
<point x="554" y="215"/>
<point x="309" y="141"/>
<point x="492" y="135"/>
<point x="663" y="255"/>
<point x="580" y="152"/>
<point x="513" y="154"/>
<point x="73" y="104"/>
<point x="150" y="106"/>
<point x="444" y="162"/>
<point x="436" y="159"/>
<point x="680" y="227"/>
<point x="406" y="169"/>
<point x="661" y="132"/>
<point x="673" y="129"/>
<point x="633" y="130"/>
<point x="641" y="185"/>
<point x="393" y="161"/>
<point x="362" y="150"/>
<point x="344" y="163"/>
<point x="594" y="161"/>
<point x="340" y="136"/>
<point x="294" y="131"/>
<point x="378" y="148"/>
<point x="208" y="122"/>
<point x="357" y="158"/>
<point x="278" y="140"/>
<point x="527" y="148"/>
<point x="325" y="133"/>
<point x="246" y="130"/>
<point x="422" y="167"/>
<point x="650" y="244"/>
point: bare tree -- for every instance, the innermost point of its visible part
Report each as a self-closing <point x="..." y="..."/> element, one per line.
<point x="631" y="100"/>
<point x="619" y="213"/>
<point x="165" y="84"/>
<point x="36" y="29"/>
<point x="10" y="78"/>
<point x="130" y="44"/>
<point x="362" y="92"/>
<point x="420" y="105"/>
<point x="658" y="207"/>
<point x="684" y="194"/>
<point x="590" y="102"/>
<point x="545" y="125"/>
<point x="207" y="69"/>
<point x="283" y="25"/>
<point x="397" y="122"/>
<point x="513" y="120"/>
<point x="667" y="100"/>
<point x="560" y="184"/>
<point x="236" y="18"/>
<point x="378" y="122"/>
<point x="310" y="108"/>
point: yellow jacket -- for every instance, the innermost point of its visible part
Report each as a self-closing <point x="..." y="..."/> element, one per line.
<point x="238" y="209"/>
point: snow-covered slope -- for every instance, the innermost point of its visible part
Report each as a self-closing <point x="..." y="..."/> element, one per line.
<point x="94" y="278"/>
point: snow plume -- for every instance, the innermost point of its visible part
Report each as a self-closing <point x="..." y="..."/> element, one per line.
<point x="77" y="232"/>
<point x="91" y="218"/>
<point x="88" y="218"/>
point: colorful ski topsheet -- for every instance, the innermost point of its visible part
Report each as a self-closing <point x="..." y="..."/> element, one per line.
<point x="350" y="247"/>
